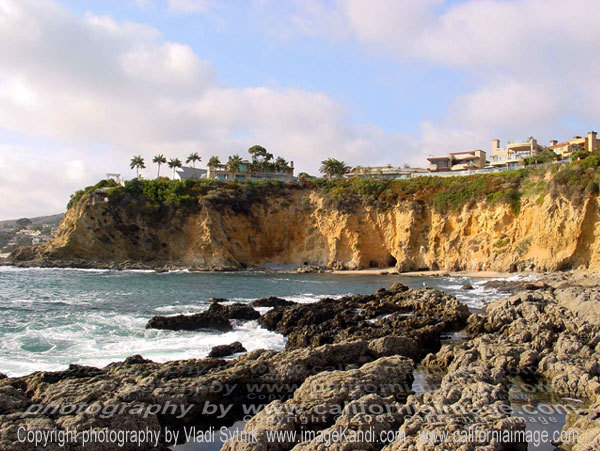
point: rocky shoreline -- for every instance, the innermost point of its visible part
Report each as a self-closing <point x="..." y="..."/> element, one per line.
<point x="349" y="365"/>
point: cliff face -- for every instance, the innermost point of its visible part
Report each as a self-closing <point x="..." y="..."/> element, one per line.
<point x="302" y="228"/>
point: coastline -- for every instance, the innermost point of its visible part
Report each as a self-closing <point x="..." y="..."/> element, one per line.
<point x="434" y="273"/>
<point x="387" y="342"/>
<point x="269" y="268"/>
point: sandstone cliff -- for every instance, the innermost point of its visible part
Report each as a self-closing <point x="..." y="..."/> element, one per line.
<point x="304" y="224"/>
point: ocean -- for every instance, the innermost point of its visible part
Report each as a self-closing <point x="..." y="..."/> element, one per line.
<point x="50" y="318"/>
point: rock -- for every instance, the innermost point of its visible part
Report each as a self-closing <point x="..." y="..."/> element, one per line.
<point x="421" y="315"/>
<point x="394" y="345"/>
<point x="127" y="389"/>
<point x="202" y="320"/>
<point x="226" y="350"/>
<point x="238" y="311"/>
<point x="383" y="273"/>
<point x="216" y="317"/>
<point x="514" y="286"/>
<point x="398" y="287"/>
<point x="136" y="359"/>
<point x="530" y="335"/>
<point x="218" y="300"/>
<point x="310" y="269"/>
<point x="3" y="376"/>
<point x="323" y="397"/>
<point x="467" y="286"/>
<point x="272" y="301"/>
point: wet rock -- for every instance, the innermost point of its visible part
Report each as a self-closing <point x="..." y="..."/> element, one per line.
<point x="3" y="376"/>
<point x="136" y="359"/>
<point x="72" y="372"/>
<point x="272" y="301"/>
<point x="398" y="287"/>
<point x="126" y="388"/>
<point x="218" y="300"/>
<point x="216" y="317"/>
<point x="204" y="320"/>
<point x="514" y="286"/>
<point x="312" y="269"/>
<point x="421" y="315"/>
<point x="323" y="397"/>
<point x="533" y="336"/>
<point x="226" y="350"/>
<point x="467" y="286"/>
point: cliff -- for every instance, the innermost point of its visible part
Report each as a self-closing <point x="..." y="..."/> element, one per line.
<point x="543" y="219"/>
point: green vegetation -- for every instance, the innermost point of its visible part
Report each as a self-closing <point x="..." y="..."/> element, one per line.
<point x="234" y="163"/>
<point x="174" y="163"/>
<point x="137" y="163"/>
<point x="193" y="158"/>
<point x="213" y="162"/>
<point x="82" y="193"/>
<point x="333" y="168"/>
<point x="575" y="181"/>
<point x="159" y="159"/>
<point x="544" y="157"/>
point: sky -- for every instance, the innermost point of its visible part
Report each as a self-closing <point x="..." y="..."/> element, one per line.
<point x="87" y="84"/>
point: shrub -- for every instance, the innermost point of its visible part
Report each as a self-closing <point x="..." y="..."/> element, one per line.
<point x="545" y="156"/>
<point x="592" y="188"/>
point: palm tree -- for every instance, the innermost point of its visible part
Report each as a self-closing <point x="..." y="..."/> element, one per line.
<point x="333" y="168"/>
<point x="234" y="164"/>
<point x="213" y="162"/>
<point x="159" y="159"/>
<point x="174" y="163"/>
<point x="137" y="163"/>
<point x="193" y="157"/>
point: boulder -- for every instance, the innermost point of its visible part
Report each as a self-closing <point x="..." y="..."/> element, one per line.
<point x="216" y="317"/>
<point x="272" y="301"/>
<point x="226" y="350"/>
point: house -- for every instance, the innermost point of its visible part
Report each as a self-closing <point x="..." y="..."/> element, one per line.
<point x="382" y="172"/>
<point x="458" y="161"/>
<point x="186" y="172"/>
<point x="247" y="171"/>
<point x="565" y="148"/>
<point x="514" y="153"/>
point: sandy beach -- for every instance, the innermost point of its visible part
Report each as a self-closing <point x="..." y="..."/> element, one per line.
<point x="440" y="273"/>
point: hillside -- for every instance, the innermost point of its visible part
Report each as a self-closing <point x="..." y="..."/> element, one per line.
<point x="51" y="220"/>
<point x="536" y="219"/>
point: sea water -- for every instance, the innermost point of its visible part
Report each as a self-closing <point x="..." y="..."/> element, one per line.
<point x="50" y="318"/>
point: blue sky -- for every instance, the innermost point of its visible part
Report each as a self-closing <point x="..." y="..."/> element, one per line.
<point x="89" y="83"/>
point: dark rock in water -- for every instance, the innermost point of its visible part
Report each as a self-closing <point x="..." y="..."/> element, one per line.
<point x="216" y="317"/>
<point x="514" y="286"/>
<point x="226" y="350"/>
<point x="312" y="269"/>
<point x="467" y="286"/>
<point x="132" y="392"/>
<point x="136" y="359"/>
<point x="218" y="300"/>
<point x="204" y="320"/>
<point x="272" y="301"/>
<point x="238" y="311"/>
<point x="421" y="315"/>
<point x="2" y="376"/>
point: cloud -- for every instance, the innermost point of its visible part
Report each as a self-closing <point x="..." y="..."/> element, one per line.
<point x="530" y="64"/>
<point x="189" y="6"/>
<point x="37" y="181"/>
<point x="93" y="82"/>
